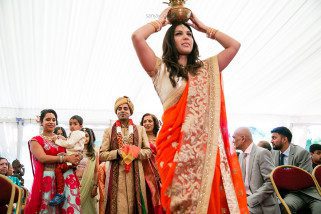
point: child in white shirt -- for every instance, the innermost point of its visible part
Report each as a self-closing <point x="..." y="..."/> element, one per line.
<point x="74" y="144"/>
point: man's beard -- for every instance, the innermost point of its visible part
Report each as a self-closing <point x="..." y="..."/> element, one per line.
<point x="124" y="119"/>
<point x="276" y="147"/>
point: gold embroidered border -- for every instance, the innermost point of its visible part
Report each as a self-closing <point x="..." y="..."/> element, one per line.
<point x="214" y="127"/>
<point x="174" y="97"/>
<point x="192" y="183"/>
<point x="229" y="189"/>
<point x="190" y="159"/>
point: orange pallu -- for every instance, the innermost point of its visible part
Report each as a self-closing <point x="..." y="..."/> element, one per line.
<point x="199" y="169"/>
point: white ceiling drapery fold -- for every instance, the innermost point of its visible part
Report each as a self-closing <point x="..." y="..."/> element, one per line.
<point x="77" y="55"/>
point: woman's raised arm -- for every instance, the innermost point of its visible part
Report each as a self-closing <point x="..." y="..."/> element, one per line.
<point x="231" y="46"/>
<point x="145" y="54"/>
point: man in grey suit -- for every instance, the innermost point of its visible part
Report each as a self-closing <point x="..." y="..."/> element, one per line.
<point x="256" y="164"/>
<point x="290" y="154"/>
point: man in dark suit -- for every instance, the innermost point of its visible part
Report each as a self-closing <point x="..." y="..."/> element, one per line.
<point x="256" y="164"/>
<point x="290" y="154"/>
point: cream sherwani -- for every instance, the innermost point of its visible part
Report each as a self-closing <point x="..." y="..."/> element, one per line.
<point x="126" y="192"/>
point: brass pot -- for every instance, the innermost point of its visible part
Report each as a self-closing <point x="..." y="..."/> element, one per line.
<point x="178" y="14"/>
<point x="174" y="3"/>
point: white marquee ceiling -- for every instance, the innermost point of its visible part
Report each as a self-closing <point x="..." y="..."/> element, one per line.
<point x="76" y="56"/>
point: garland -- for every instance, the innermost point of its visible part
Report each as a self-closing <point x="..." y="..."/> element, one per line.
<point x="129" y="152"/>
<point x="120" y="134"/>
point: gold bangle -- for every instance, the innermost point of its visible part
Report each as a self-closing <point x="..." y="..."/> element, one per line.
<point x="152" y="24"/>
<point x="214" y="36"/>
<point x="211" y="32"/>
<point x="157" y="25"/>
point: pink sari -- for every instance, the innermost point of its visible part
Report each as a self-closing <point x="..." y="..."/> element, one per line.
<point x="153" y="183"/>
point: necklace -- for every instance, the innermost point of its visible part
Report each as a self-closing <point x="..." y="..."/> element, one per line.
<point x="120" y="136"/>
<point x="48" y="138"/>
<point x="151" y="138"/>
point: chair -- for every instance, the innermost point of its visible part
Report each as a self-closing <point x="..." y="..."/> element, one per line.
<point x="24" y="198"/>
<point x="18" y="198"/>
<point x="290" y="178"/>
<point x="316" y="174"/>
<point x="7" y="195"/>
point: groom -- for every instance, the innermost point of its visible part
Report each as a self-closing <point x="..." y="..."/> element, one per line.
<point x="126" y="185"/>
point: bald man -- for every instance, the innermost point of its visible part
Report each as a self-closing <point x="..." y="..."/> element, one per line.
<point x="256" y="164"/>
<point x="264" y="144"/>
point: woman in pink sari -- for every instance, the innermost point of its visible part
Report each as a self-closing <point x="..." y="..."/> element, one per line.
<point x="151" y="124"/>
<point x="153" y="183"/>
<point x="44" y="155"/>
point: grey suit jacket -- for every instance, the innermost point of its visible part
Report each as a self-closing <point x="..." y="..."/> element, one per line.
<point x="301" y="158"/>
<point x="297" y="157"/>
<point x="263" y="199"/>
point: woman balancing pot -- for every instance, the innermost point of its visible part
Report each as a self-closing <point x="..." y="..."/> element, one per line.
<point x="198" y="167"/>
<point x="178" y="13"/>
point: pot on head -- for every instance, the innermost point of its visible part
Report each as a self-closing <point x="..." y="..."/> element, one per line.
<point x="178" y="13"/>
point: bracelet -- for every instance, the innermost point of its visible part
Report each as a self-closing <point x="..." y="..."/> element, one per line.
<point x="61" y="158"/>
<point x="211" y="32"/>
<point x="157" y="25"/>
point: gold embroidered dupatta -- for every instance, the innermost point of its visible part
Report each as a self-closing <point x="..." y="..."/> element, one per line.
<point x="200" y="152"/>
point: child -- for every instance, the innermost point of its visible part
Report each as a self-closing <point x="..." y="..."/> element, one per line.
<point x="74" y="145"/>
<point x="87" y="174"/>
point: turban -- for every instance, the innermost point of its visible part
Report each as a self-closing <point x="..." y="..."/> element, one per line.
<point x="124" y="100"/>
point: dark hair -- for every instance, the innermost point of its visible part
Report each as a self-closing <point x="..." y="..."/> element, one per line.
<point x="47" y="111"/>
<point x="315" y="147"/>
<point x="156" y="123"/>
<point x="283" y="131"/>
<point x="1" y="158"/>
<point x="91" y="143"/>
<point x="62" y="129"/>
<point x="78" y="118"/>
<point x="171" y="55"/>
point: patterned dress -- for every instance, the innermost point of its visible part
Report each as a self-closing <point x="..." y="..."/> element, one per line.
<point x="44" y="180"/>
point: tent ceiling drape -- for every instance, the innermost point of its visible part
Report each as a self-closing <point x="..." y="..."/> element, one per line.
<point x="76" y="56"/>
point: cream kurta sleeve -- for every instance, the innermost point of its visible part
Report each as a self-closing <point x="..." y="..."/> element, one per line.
<point x="75" y="141"/>
<point x="145" y="151"/>
<point x="105" y="153"/>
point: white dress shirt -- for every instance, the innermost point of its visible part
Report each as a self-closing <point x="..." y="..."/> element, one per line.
<point x="286" y="157"/>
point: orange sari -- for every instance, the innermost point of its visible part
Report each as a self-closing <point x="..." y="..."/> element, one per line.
<point x="199" y="169"/>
